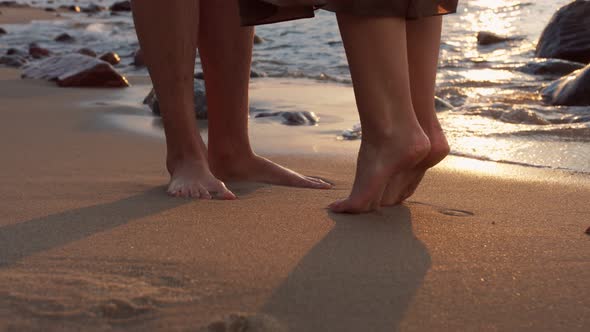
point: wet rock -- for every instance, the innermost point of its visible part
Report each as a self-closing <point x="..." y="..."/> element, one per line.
<point x="76" y="70"/>
<point x="50" y="9"/>
<point x="442" y="105"/>
<point x="138" y="59"/>
<point x="588" y="231"/>
<point x="294" y="118"/>
<point x="13" y="4"/>
<point x="551" y="67"/>
<point x="570" y="90"/>
<point x="354" y="133"/>
<point x="2" y="31"/>
<point x="111" y="57"/>
<point x="13" y="61"/>
<point x="122" y="6"/>
<point x="567" y="36"/>
<point x="72" y="8"/>
<point x="93" y="9"/>
<point x="490" y="38"/>
<point x="65" y="38"/>
<point x="16" y="51"/>
<point x="87" y="51"/>
<point x="38" y="52"/>
<point x="200" y="100"/>
<point x="258" y="40"/>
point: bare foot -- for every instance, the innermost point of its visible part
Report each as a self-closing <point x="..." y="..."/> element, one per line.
<point x="377" y="164"/>
<point x="192" y="178"/>
<point x="250" y="167"/>
<point x="404" y="184"/>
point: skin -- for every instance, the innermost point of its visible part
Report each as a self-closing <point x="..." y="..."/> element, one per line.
<point x="394" y="81"/>
<point x="226" y="50"/>
<point x="423" y="40"/>
<point x="393" y="141"/>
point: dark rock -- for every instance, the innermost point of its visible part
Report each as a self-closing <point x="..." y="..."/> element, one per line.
<point x="489" y="38"/>
<point x="122" y="6"/>
<point x="93" y="9"/>
<point x="2" y="31"/>
<point x="50" y="9"/>
<point x="38" y="52"/>
<point x="16" y="51"/>
<point x="258" y="40"/>
<point x="13" y="61"/>
<point x="551" y="67"/>
<point x="138" y="59"/>
<point x="588" y="231"/>
<point x="354" y="133"/>
<point x="72" y="8"/>
<point x="76" y="70"/>
<point x="571" y="90"/>
<point x="567" y="36"/>
<point x="200" y="100"/>
<point x="13" y="4"/>
<point x="296" y="118"/>
<point x="65" y="38"/>
<point x="111" y="57"/>
<point x="87" y="51"/>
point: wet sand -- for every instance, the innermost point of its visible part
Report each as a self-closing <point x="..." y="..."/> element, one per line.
<point x="89" y="240"/>
<point x="11" y="15"/>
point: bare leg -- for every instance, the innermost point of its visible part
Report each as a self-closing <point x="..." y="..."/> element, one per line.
<point x="169" y="48"/>
<point x="423" y="37"/>
<point x="393" y="140"/>
<point x="226" y="51"/>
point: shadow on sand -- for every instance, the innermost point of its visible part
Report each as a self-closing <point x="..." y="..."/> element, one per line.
<point x="33" y="236"/>
<point x="361" y="277"/>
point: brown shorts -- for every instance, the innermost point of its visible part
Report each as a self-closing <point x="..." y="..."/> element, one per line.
<point x="255" y="12"/>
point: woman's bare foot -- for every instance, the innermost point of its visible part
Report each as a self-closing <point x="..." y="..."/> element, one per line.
<point x="192" y="178"/>
<point x="251" y="167"/>
<point x="379" y="162"/>
<point x="404" y="184"/>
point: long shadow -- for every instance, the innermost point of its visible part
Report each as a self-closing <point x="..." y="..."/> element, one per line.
<point x="30" y="237"/>
<point x="361" y="277"/>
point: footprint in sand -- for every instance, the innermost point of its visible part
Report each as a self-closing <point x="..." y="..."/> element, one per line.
<point x="243" y="323"/>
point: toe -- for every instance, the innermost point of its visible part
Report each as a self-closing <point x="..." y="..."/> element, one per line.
<point x="203" y="193"/>
<point x="318" y="183"/>
<point x="221" y="192"/>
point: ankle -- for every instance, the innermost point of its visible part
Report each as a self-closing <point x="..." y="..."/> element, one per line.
<point x="177" y="158"/>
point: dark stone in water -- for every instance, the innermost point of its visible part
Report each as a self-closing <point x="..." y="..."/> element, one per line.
<point x="551" y="67"/>
<point x="258" y="40"/>
<point x="567" y="36"/>
<point x="93" y="9"/>
<point x="16" y="51"/>
<point x="65" y="38"/>
<point x="76" y="70"/>
<point x="489" y="38"/>
<point x="13" y="61"/>
<point x="121" y="6"/>
<point x="571" y="90"/>
<point x="13" y="4"/>
<point x="50" y="9"/>
<point x="200" y="101"/>
<point x="71" y="8"/>
<point x="87" y="51"/>
<point x="111" y="57"/>
<point x="303" y="118"/>
<point x="38" y="52"/>
<point x="2" y="31"/>
<point x="138" y="59"/>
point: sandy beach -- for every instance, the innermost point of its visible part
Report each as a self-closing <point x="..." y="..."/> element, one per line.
<point x="90" y="241"/>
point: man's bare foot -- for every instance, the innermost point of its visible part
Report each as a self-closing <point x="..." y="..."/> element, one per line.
<point x="250" y="167"/>
<point x="377" y="163"/>
<point x="192" y="178"/>
<point x="404" y="184"/>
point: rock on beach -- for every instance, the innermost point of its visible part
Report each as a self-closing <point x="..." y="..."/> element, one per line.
<point x="200" y="100"/>
<point x="76" y="70"/>
<point x="570" y="90"/>
<point x="567" y="36"/>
